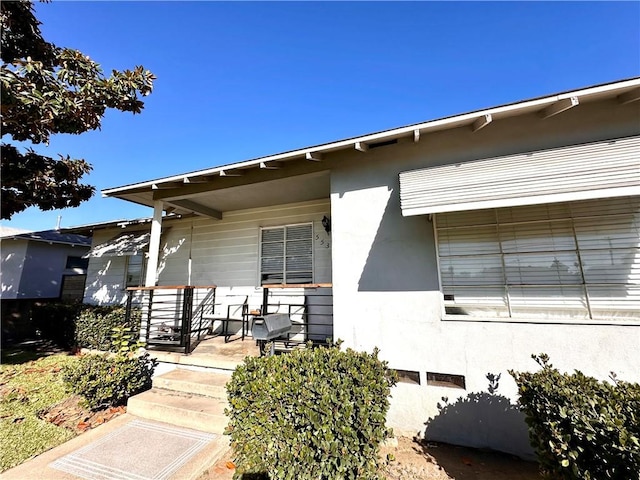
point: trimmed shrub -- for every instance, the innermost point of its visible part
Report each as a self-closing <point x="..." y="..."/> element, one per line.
<point x="110" y="379"/>
<point x="580" y="427"/>
<point x="315" y="413"/>
<point x="94" y="325"/>
<point x="82" y="325"/>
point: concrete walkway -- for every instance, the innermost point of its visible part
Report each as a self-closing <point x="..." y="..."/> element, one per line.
<point x="172" y="432"/>
<point x="127" y="447"/>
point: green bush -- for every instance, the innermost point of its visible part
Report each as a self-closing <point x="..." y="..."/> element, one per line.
<point x="82" y="325"/>
<point x="110" y="379"/>
<point x="579" y="427"/>
<point x="315" y="413"/>
<point x="94" y="325"/>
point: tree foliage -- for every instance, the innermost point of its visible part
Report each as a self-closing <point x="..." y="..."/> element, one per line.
<point x="48" y="90"/>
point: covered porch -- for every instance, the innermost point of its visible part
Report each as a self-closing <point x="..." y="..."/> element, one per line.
<point x="213" y="321"/>
<point x="224" y="249"/>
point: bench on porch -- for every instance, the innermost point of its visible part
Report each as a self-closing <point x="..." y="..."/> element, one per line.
<point x="228" y="309"/>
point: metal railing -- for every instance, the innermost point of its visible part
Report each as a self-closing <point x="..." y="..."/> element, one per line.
<point x="179" y="317"/>
<point x="173" y="317"/>
<point x="310" y="307"/>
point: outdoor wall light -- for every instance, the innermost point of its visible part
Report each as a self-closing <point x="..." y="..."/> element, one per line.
<point x="326" y="223"/>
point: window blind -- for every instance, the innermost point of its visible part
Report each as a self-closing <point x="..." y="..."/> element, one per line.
<point x="287" y="254"/>
<point x="573" y="260"/>
<point x="603" y="169"/>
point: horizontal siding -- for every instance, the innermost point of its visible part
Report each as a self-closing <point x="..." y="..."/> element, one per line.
<point x="593" y="170"/>
<point x="223" y="252"/>
<point x="226" y="252"/>
<point x="105" y="275"/>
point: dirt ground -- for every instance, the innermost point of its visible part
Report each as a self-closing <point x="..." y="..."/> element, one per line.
<point x="72" y="414"/>
<point x="417" y="460"/>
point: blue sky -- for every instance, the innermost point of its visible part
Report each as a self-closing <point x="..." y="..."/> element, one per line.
<point x="240" y="80"/>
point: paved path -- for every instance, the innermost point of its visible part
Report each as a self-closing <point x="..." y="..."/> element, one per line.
<point x="127" y="447"/>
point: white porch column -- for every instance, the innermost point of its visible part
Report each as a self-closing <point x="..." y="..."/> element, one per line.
<point x="154" y="244"/>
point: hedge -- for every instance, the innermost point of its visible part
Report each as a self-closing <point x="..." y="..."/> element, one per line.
<point x="314" y="413"/>
<point x="580" y="427"/>
<point x="109" y="379"/>
<point x="94" y="325"/>
<point x="82" y="325"/>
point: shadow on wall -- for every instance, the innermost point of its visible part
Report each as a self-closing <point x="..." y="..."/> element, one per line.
<point x="106" y="286"/>
<point x="482" y="420"/>
<point x="402" y="255"/>
<point x="99" y="290"/>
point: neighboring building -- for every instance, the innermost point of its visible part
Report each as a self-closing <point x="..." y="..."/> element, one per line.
<point x="458" y="247"/>
<point x="43" y="265"/>
<point x="39" y="267"/>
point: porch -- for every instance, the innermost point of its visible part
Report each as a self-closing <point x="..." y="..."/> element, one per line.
<point x="177" y="319"/>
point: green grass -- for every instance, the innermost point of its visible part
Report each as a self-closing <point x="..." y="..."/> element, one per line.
<point x="27" y="389"/>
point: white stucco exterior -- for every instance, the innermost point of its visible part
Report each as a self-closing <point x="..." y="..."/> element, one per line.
<point x="387" y="295"/>
<point x="384" y="266"/>
<point x="34" y="269"/>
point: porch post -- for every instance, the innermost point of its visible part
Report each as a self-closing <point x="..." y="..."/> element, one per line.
<point x="154" y="244"/>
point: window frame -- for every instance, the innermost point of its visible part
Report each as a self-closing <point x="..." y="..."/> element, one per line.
<point x="590" y="320"/>
<point x="284" y="256"/>
<point x="76" y="262"/>
<point x="143" y="269"/>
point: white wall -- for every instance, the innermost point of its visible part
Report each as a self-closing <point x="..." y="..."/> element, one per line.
<point x="105" y="275"/>
<point x="13" y="256"/>
<point x="386" y="289"/>
<point x="32" y="269"/>
<point x="223" y="252"/>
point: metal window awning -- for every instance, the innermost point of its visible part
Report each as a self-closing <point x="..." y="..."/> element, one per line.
<point x="132" y="243"/>
<point x="580" y="172"/>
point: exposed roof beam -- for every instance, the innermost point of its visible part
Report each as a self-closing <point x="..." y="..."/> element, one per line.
<point x="198" y="179"/>
<point x="231" y="173"/>
<point x="196" y="208"/>
<point x="416" y="135"/>
<point x="559" y="107"/>
<point x="598" y="92"/>
<point x="165" y="186"/>
<point x="361" y="146"/>
<point x="628" y="97"/>
<point x="270" y="165"/>
<point x="313" y="156"/>
<point x="481" y="122"/>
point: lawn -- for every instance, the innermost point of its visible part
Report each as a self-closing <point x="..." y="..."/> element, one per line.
<point x="28" y="388"/>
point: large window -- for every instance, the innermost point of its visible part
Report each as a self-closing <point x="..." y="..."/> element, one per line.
<point x="574" y="261"/>
<point x="134" y="273"/>
<point x="286" y="254"/>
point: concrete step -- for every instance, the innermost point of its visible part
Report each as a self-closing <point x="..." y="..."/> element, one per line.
<point x="182" y="409"/>
<point x="198" y="360"/>
<point x="209" y="384"/>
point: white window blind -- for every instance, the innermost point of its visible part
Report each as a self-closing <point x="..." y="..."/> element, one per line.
<point x="286" y="254"/>
<point x="603" y="169"/>
<point x="574" y="260"/>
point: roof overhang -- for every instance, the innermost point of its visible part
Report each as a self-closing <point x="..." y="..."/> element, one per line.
<point x="145" y="193"/>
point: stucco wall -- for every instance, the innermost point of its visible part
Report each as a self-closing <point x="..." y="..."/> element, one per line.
<point x="386" y="288"/>
<point x="35" y="269"/>
<point x="13" y="256"/>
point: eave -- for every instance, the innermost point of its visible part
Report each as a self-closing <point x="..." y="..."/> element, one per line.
<point x="545" y="107"/>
